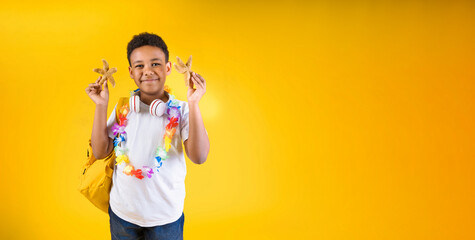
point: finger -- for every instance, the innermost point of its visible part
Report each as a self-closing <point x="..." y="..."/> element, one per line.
<point x="203" y="81"/>
<point x="199" y="79"/>
<point x="106" y="86"/>
<point x="197" y="83"/>
<point x="95" y="86"/>
<point x="191" y="84"/>
<point x="98" y="79"/>
<point x="193" y="75"/>
<point x="90" y="89"/>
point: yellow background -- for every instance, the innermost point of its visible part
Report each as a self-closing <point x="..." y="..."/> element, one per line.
<point x="327" y="120"/>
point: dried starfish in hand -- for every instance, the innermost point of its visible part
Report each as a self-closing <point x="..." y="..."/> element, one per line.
<point x="184" y="69"/>
<point x="106" y="72"/>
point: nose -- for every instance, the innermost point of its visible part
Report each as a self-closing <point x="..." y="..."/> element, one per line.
<point x="148" y="71"/>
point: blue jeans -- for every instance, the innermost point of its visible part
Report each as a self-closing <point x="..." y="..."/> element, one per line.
<point x="121" y="229"/>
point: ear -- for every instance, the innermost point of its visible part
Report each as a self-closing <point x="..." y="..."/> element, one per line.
<point x="169" y="67"/>
<point x="130" y="72"/>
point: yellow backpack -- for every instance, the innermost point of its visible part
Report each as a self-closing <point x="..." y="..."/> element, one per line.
<point x="95" y="181"/>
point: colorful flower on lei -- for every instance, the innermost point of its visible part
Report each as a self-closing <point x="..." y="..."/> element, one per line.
<point x="137" y="173"/>
<point x="122" y="120"/>
<point x="119" y="139"/>
<point x="128" y="170"/>
<point x="161" y="153"/>
<point x="174" y="111"/>
<point x="148" y="171"/>
<point x="170" y="132"/>
<point x="124" y="110"/>
<point x="117" y="129"/>
<point x="120" y="151"/>
<point x="173" y="123"/>
<point x="167" y="142"/>
<point x="122" y="159"/>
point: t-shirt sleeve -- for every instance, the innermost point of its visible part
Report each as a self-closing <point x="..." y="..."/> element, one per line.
<point x="110" y="123"/>
<point x="185" y="122"/>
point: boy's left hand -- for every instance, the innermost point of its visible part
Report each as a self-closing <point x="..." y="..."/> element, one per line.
<point x="194" y="95"/>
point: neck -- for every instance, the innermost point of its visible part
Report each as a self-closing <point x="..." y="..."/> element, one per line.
<point x="147" y="99"/>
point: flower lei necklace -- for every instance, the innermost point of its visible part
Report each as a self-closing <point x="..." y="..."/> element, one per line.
<point x="162" y="150"/>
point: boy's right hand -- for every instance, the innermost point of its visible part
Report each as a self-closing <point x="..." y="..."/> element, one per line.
<point x="99" y="94"/>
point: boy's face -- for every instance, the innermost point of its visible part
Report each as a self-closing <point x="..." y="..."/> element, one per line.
<point x="149" y="69"/>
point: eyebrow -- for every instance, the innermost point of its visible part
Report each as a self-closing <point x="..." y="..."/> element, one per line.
<point x="153" y="59"/>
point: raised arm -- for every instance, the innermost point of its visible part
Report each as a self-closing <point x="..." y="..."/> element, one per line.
<point x="197" y="144"/>
<point x="100" y="141"/>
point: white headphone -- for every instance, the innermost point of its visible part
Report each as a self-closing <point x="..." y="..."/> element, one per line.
<point x="157" y="107"/>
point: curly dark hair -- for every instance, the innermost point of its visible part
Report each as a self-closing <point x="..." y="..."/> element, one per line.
<point x="144" y="39"/>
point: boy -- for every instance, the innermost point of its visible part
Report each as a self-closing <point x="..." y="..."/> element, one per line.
<point x="142" y="206"/>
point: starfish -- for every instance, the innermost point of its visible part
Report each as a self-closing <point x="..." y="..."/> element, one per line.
<point x="184" y="69"/>
<point x="106" y="72"/>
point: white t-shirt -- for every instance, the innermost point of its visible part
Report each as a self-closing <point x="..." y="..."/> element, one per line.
<point x="160" y="199"/>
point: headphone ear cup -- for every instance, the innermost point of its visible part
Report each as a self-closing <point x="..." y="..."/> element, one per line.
<point x="157" y="108"/>
<point x="134" y="103"/>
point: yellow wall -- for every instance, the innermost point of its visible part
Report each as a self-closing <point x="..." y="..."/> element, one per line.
<point x="349" y="120"/>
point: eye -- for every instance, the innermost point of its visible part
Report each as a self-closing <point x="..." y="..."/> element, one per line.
<point x="155" y="63"/>
<point x="138" y="65"/>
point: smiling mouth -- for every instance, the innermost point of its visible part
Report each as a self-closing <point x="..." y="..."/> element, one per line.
<point x="149" y="80"/>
